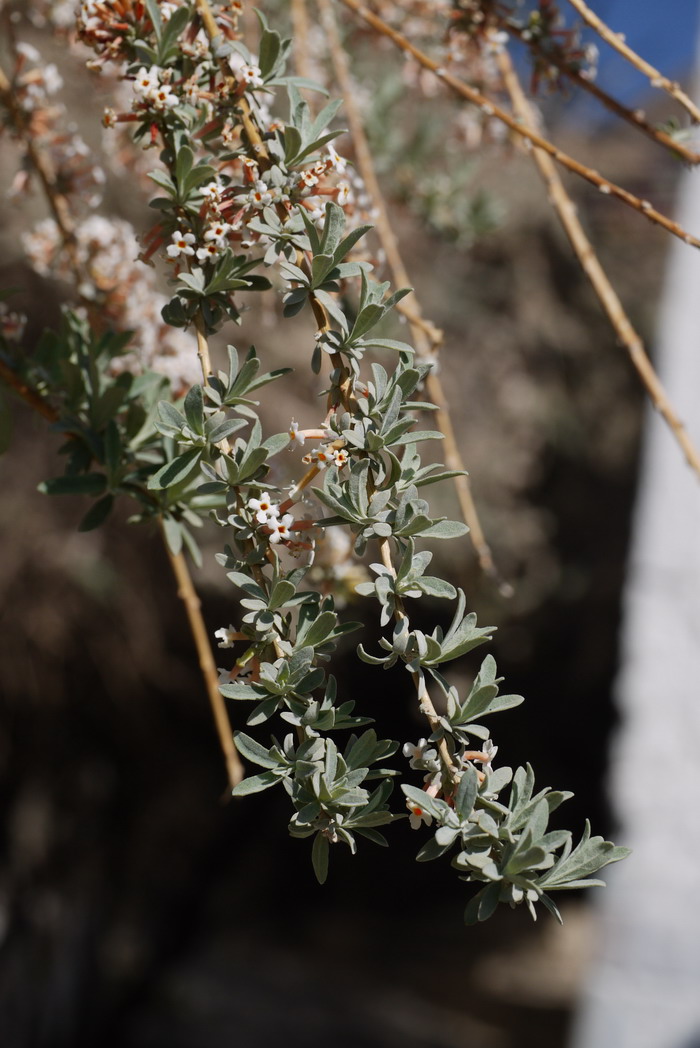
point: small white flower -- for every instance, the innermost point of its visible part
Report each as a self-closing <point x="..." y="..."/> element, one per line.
<point x="409" y="750"/>
<point x="489" y="751"/>
<point x="343" y="193"/>
<point x="280" y="528"/>
<point x="225" y="637"/>
<point x="212" y="191"/>
<point x="162" y="97"/>
<point x="210" y="252"/>
<point x="340" y="457"/>
<point x="321" y="457"/>
<point x="260" y="195"/>
<point x="337" y="161"/>
<point x="417" y="816"/>
<point x="146" y="81"/>
<point x="265" y="509"/>
<point x="252" y="75"/>
<point x="218" y="232"/>
<point x="295" y="436"/>
<point x="28" y="52"/>
<point x="181" y="245"/>
<point x="53" y="81"/>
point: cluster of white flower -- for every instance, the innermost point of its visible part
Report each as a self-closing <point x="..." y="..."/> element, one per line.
<point x="215" y="243"/>
<point x="326" y="455"/>
<point x="106" y="253"/>
<point x="152" y="89"/>
<point x="267" y="514"/>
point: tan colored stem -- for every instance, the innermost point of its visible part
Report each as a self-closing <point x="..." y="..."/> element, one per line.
<point x="632" y="116"/>
<point x="426" y="336"/>
<point x="41" y="164"/>
<point x="617" y="41"/>
<point x="28" y="395"/>
<point x="303" y="483"/>
<point x="202" y="349"/>
<point x="586" y="255"/>
<point x="188" y="595"/>
<point x="490" y="108"/>
<point x="214" y="33"/>
<point x="300" y="35"/>
<point x="64" y="219"/>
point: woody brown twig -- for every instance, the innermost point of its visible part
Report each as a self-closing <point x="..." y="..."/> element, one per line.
<point x="566" y="210"/>
<point x="632" y="116"/>
<point x="617" y="41"/>
<point x="60" y="209"/>
<point x="425" y="336"/>
<point x="490" y="108"/>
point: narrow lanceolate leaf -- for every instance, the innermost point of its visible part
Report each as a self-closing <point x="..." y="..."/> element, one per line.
<point x="255" y="784"/>
<point x="176" y="471"/>
<point x="590" y="855"/>
<point x="253" y="751"/>
<point x="82" y="484"/>
<point x="319" y="857"/>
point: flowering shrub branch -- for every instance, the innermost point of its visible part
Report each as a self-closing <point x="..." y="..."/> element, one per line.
<point x="242" y="193"/>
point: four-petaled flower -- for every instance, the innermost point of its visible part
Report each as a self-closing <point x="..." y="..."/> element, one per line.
<point x="252" y="75"/>
<point x="226" y="637"/>
<point x="295" y="436"/>
<point x="265" y="509"/>
<point x="217" y="232"/>
<point x="210" y="251"/>
<point x="279" y="529"/>
<point x="417" y="816"/>
<point x="182" y="244"/>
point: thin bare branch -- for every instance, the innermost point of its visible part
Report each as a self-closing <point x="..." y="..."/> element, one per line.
<point x="490" y="108"/>
<point x="300" y="32"/>
<point x="215" y="36"/>
<point x="188" y="595"/>
<point x="607" y="296"/>
<point x="60" y="209"/>
<point x="40" y="162"/>
<point x="27" y="394"/>
<point x="426" y="336"/>
<point x="617" y="41"/>
<point x="633" y="116"/>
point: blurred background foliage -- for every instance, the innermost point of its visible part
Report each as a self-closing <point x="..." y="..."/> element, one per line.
<point x="136" y="908"/>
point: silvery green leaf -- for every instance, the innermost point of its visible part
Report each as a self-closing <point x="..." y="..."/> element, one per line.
<point x="446" y="835"/>
<point x="97" y="514"/>
<point x="433" y="586"/>
<point x="176" y="471"/>
<point x="432" y="850"/>
<point x="467" y="792"/>
<point x="263" y="711"/>
<point x="483" y="904"/>
<point x="445" y="529"/>
<point x="319" y="857"/>
<point x="253" y="751"/>
<point x="373" y="835"/>
<point x="590" y="855"/>
<point x="276" y="443"/>
<point x="437" y="808"/>
<point x="173" y="534"/>
<point x="255" y="784"/>
<point x="244" y="692"/>
<point x="330" y="304"/>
